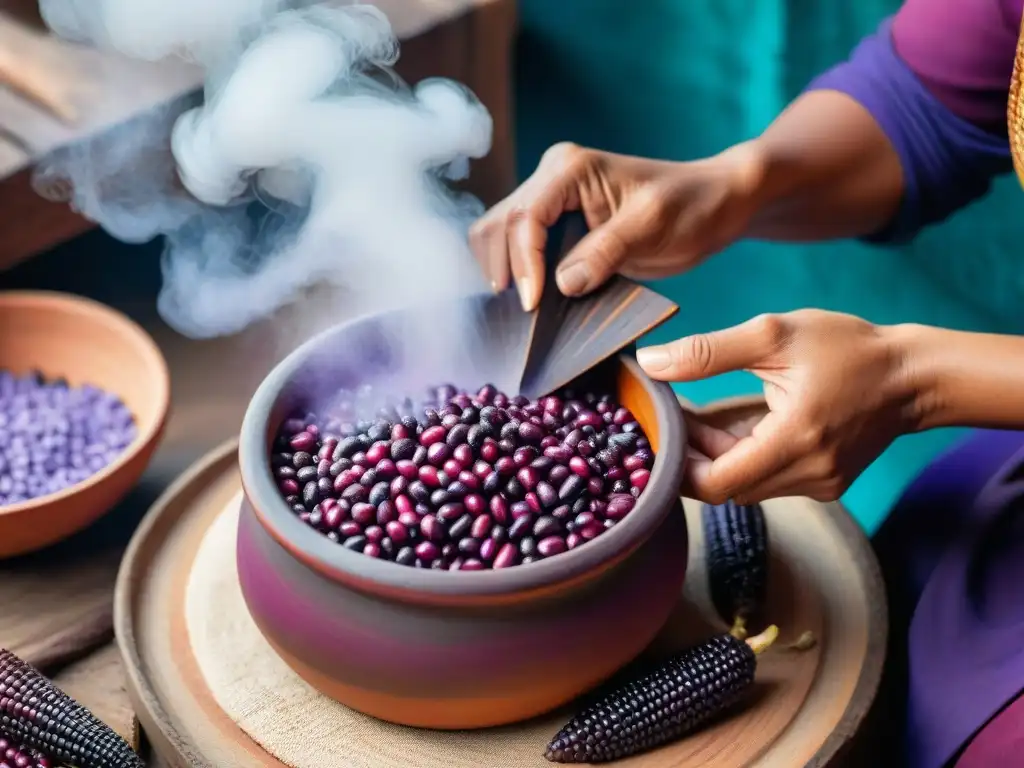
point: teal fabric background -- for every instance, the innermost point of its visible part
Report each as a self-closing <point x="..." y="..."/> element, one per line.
<point x="682" y="79"/>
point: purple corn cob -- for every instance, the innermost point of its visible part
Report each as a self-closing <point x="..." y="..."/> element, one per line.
<point x="36" y="716"/>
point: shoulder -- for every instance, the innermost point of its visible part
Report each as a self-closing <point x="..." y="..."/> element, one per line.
<point x="963" y="52"/>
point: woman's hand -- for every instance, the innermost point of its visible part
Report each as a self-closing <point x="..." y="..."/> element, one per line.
<point x="838" y="391"/>
<point x="647" y="218"/>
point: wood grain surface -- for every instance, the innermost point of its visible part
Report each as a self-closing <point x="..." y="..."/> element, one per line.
<point x="807" y="708"/>
<point x="54" y="612"/>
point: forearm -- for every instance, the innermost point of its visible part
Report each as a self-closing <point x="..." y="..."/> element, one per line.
<point x="960" y="378"/>
<point x="827" y="171"/>
<point x="869" y="151"/>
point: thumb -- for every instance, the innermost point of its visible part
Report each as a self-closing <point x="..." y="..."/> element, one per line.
<point x="704" y="355"/>
<point x="601" y="253"/>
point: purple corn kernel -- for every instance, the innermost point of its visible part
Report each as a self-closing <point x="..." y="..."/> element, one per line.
<point x="481" y="527"/>
<point x="427" y="551"/>
<point x="528" y="477"/>
<point x="616" y="473"/>
<point x="546" y="526"/>
<point x="520" y="509"/>
<point x="550" y="441"/>
<point x="438" y="453"/>
<point x="350" y="528"/>
<point x="397" y="532"/>
<point x="558" y="474"/>
<point x="499" y="509"/>
<point x="639" y="478"/>
<point x="428" y="475"/>
<point x="521" y="527"/>
<point x="386" y="512"/>
<point x="364" y="514"/>
<point x="450" y="512"/>
<point x="547" y="495"/>
<point x="333" y="515"/>
<point x="507" y="556"/>
<point x="407" y="469"/>
<point x="463" y="454"/>
<point x="402" y="450"/>
<point x="303" y="441"/>
<point x="488" y="549"/>
<point x="619" y="505"/>
<point x="490" y="451"/>
<point x="533" y="501"/>
<point x="552" y="545"/>
<point x="475" y="504"/>
<point x="461" y="527"/>
<point x="398" y="486"/>
<point x="432" y="529"/>
<point x="505" y="466"/>
<point x="530" y="432"/>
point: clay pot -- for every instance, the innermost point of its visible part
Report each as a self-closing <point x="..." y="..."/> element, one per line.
<point x="454" y="650"/>
<point x="86" y="343"/>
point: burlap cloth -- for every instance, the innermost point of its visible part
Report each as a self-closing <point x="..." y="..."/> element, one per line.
<point x="292" y="721"/>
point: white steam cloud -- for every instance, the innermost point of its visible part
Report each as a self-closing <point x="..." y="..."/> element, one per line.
<point x="306" y="161"/>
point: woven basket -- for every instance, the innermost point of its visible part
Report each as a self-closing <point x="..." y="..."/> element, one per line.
<point x="1015" y="109"/>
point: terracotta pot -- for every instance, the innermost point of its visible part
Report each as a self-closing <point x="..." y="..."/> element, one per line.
<point x="86" y="343"/>
<point x="455" y="650"/>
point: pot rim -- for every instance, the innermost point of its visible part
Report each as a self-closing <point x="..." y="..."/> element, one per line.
<point x="354" y="568"/>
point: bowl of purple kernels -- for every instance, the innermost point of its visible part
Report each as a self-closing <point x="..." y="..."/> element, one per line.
<point x="54" y="435"/>
<point x="463" y="481"/>
<point x="457" y="559"/>
<point x="84" y="394"/>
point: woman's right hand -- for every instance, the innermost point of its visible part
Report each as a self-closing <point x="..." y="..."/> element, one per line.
<point x="647" y="218"/>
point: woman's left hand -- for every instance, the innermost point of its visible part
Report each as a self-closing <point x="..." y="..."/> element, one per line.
<point x="838" y="391"/>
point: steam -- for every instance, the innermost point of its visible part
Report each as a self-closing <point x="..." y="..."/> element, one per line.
<point x="306" y="162"/>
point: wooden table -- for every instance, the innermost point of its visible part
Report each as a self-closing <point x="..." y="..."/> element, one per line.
<point x="55" y="606"/>
<point x="467" y="40"/>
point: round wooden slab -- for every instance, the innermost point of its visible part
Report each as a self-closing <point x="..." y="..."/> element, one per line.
<point x="805" y="709"/>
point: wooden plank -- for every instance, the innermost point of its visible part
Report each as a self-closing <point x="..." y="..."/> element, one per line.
<point x="467" y="40"/>
<point x="31" y="224"/>
<point x="104" y="88"/>
<point x="107" y="88"/>
<point x="57" y="608"/>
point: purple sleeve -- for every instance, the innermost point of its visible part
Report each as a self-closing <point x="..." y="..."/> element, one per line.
<point x="947" y="162"/>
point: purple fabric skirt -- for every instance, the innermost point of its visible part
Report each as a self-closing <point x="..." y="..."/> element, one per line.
<point x="952" y="552"/>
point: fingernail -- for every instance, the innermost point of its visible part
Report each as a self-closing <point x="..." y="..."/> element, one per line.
<point x="523" y="286"/>
<point x="653" y="359"/>
<point x="495" y="287"/>
<point x="573" y="279"/>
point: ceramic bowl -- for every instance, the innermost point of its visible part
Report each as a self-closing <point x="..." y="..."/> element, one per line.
<point x="84" y="342"/>
<point x="454" y="650"/>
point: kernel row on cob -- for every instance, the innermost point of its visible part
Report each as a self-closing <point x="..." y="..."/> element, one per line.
<point x="37" y="717"/>
<point x="674" y="700"/>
